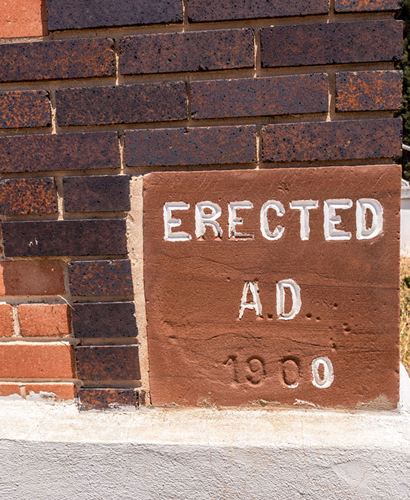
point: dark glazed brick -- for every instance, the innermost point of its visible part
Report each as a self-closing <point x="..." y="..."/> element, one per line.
<point x="193" y="146"/>
<point x="56" y="59"/>
<point x="107" y="399"/>
<point x="366" y="5"/>
<point x="369" y="90"/>
<point x="82" y="238"/>
<point x="24" y="108"/>
<point x="190" y="51"/>
<point x="281" y="95"/>
<point x="100" y="278"/>
<point x="104" y="320"/>
<point x="310" y="44"/>
<point x="36" y="196"/>
<point x="341" y="140"/>
<point x="42" y="152"/>
<point x="107" y="363"/>
<point x="77" y="14"/>
<point x="218" y="10"/>
<point x="105" y="193"/>
<point x="125" y="104"/>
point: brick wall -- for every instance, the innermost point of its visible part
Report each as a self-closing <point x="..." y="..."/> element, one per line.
<point x="112" y="89"/>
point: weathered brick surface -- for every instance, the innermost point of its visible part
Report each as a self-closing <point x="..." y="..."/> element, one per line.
<point x="368" y="90"/>
<point x="104" y="320"/>
<point x="105" y="193"/>
<point x="350" y="139"/>
<point x="6" y="320"/>
<point x="9" y="389"/>
<point x="21" y="19"/>
<point x="216" y="10"/>
<point x="124" y="104"/>
<point x="107" y="363"/>
<point x="366" y="5"/>
<point x="36" y="361"/>
<point x="107" y="399"/>
<point x="100" y="278"/>
<point x="57" y="392"/>
<point x="32" y="277"/>
<point x="193" y="146"/>
<point x="24" y="108"/>
<point x="82" y="238"/>
<point x="73" y="151"/>
<point x="63" y="14"/>
<point x="44" y="320"/>
<point x="190" y="51"/>
<point x="312" y="44"/>
<point x="33" y="196"/>
<point x="281" y="95"/>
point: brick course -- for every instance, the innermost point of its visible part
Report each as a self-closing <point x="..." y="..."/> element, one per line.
<point x="31" y="196"/>
<point x="24" y="109"/>
<point x="366" y="5"/>
<point x="44" y="320"/>
<point x="32" y="277"/>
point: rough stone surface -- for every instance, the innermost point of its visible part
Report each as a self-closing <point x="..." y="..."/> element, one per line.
<point x="189" y="51"/>
<point x="193" y="146"/>
<point x="309" y="44"/>
<point x="56" y="59"/>
<point x="24" y="108"/>
<point x="330" y="141"/>
<point x="366" y="5"/>
<point x="107" y="363"/>
<point x="63" y="14"/>
<point x="281" y="95"/>
<point x="34" y="196"/>
<point x="149" y="102"/>
<point x="104" y="320"/>
<point x="107" y="399"/>
<point x="21" y="19"/>
<point x="202" y="353"/>
<point x="100" y="278"/>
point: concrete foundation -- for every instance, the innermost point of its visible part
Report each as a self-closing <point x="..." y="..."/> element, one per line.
<point x="51" y="451"/>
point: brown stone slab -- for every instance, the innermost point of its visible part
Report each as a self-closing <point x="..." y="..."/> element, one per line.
<point x="202" y="353"/>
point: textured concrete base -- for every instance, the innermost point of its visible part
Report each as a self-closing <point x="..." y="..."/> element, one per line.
<point x="51" y="451"/>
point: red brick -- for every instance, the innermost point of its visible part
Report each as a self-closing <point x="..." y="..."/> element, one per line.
<point x="149" y="102"/>
<point x="369" y="90"/>
<point x="6" y="320"/>
<point x="32" y="277"/>
<point x="9" y="389"/>
<point x="330" y="141"/>
<point x="44" y="320"/>
<point x="24" y="108"/>
<point x="281" y="95"/>
<point x="217" y="10"/>
<point x="190" y="146"/>
<point x="366" y="5"/>
<point x="189" y="51"/>
<point x="56" y="59"/>
<point x="35" y="361"/>
<point x="22" y="18"/>
<point x="310" y="44"/>
<point x="57" y="392"/>
<point x="34" y="196"/>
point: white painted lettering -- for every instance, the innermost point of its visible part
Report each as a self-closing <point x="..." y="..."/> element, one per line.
<point x="376" y="209"/>
<point x="234" y="220"/>
<point x="170" y="223"/>
<point x="294" y="289"/>
<point x="278" y="207"/>
<point x="206" y="214"/>
<point x="255" y="304"/>
<point x="331" y="219"/>
<point x="322" y="373"/>
<point x="304" y="206"/>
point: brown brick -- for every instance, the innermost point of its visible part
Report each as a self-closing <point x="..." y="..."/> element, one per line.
<point x="74" y="151"/>
<point x="82" y="238"/>
<point x="44" y="320"/>
<point x="103" y="193"/>
<point x="34" y="196"/>
<point x="310" y="44"/>
<point x="149" y="102"/>
<point x="366" y="5"/>
<point x="189" y="51"/>
<point x="56" y="59"/>
<point x="21" y="19"/>
<point x="79" y="14"/>
<point x="190" y="146"/>
<point x="280" y="95"/>
<point x="368" y="90"/>
<point x="24" y="108"/>
<point x="58" y="392"/>
<point x="342" y="140"/>
<point x="104" y="320"/>
<point x="107" y="363"/>
<point x="107" y="399"/>
<point x="217" y="10"/>
<point x="32" y="277"/>
<point x="6" y="320"/>
<point x="35" y="361"/>
<point x="101" y="278"/>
